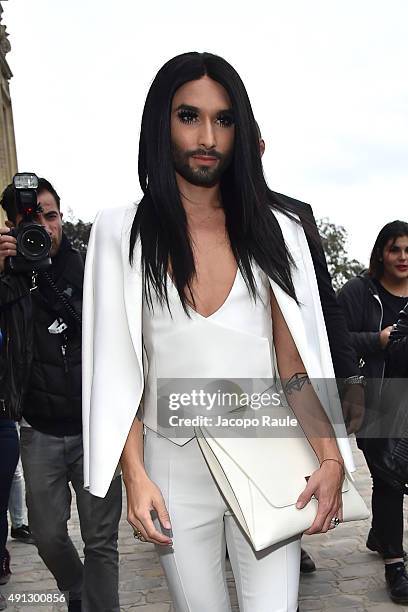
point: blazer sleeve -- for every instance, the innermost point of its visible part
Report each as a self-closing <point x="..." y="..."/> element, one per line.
<point x="111" y="375"/>
<point x="352" y="298"/>
<point x="344" y="357"/>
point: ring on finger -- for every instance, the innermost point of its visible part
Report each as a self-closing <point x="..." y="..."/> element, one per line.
<point x="335" y="521"/>
<point x="139" y="535"/>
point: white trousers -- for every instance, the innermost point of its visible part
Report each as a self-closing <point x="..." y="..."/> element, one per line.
<point x="202" y="527"/>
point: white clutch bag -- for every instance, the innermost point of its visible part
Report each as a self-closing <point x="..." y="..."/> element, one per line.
<point x="261" y="480"/>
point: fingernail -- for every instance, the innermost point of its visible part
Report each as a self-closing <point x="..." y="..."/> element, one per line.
<point x="299" y="505"/>
<point x="167" y="525"/>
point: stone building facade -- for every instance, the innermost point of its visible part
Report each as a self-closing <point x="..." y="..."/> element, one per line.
<point x="8" y="155"/>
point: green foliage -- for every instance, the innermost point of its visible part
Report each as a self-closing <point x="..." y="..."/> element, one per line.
<point x="77" y="232"/>
<point x="334" y="239"/>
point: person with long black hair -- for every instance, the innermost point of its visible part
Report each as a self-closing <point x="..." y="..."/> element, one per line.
<point x="190" y="284"/>
<point x="371" y="303"/>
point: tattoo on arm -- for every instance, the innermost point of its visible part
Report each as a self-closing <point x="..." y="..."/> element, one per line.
<point x="296" y="382"/>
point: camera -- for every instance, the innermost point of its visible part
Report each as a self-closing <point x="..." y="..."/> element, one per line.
<point x="33" y="241"/>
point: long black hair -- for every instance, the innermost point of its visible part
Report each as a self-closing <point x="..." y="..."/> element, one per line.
<point x="390" y="231"/>
<point x="160" y="220"/>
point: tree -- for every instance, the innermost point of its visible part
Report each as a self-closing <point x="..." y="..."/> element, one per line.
<point x="334" y="239"/>
<point x="77" y="231"/>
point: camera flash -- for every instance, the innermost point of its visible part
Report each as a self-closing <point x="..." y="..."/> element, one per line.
<point x="25" y="180"/>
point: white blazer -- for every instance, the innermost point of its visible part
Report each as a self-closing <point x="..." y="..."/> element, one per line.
<point x="112" y="340"/>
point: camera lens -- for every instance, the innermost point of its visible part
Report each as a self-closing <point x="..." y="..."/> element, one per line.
<point x="33" y="242"/>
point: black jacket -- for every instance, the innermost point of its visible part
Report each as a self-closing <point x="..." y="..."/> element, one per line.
<point x="16" y="343"/>
<point x="363" y="310"/>
<point x="344" y="358"/>
<point x="52" y="402"/>
<point x="40" y="372"/>
<point x="384" y="434"/>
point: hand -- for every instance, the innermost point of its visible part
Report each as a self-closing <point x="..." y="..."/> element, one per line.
<point x="8" y="246"/>
<point x="353" y="407"/>
<point x="143" y="497"/>
<point x="325" y="484"/>
<point x="385" y="336"/>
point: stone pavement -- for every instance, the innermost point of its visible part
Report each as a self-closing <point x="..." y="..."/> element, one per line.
<point x="349" y="578"/>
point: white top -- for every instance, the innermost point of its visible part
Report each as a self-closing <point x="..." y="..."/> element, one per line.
<point x="112" y="350"/>
<point x="234" y="342"/>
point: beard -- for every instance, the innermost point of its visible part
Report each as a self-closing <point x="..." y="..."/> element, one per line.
<point x="203" y="176"/>
<point x="56" y="241"/>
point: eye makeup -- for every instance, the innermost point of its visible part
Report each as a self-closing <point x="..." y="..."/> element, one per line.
<point x="225" y="119"/>
<point x="186" y="115"/>
<point x="396" y="249"/>
<point x="190" y="114"/>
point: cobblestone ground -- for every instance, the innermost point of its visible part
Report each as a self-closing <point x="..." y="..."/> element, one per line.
<point x="349" y="578"/>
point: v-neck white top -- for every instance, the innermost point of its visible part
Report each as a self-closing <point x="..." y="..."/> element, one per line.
<point x="235" y="342"/>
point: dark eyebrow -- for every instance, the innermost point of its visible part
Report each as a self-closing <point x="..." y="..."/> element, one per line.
<point x="49" y="213"/>
<point x="195" y="109"/>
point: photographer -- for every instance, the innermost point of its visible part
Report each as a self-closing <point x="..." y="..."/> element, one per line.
<point x="43" y="326"/>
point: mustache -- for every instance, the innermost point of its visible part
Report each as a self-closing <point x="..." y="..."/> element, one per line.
<point x="204" y="153"/>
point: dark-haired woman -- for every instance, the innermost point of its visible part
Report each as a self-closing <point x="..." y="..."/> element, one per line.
<point x="371" y="303"/>
<point x="204" y="280"/>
